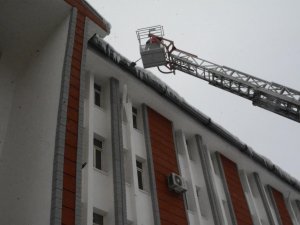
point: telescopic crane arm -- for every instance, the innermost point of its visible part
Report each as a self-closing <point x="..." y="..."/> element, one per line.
<point x="271" y="96"/>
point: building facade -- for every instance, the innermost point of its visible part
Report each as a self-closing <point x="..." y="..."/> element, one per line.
<point x="87" y="138"/>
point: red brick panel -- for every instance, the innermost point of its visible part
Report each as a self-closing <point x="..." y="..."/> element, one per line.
<point x="236" y="192"/>
<point x="171" y="205"/>
<point x="280" y="204"/>
<point x="70" y="155"/>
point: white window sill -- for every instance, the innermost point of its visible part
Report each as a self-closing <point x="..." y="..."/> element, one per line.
<point x="105" y="173"/>
<point x="138" y="130"/>
<point x="144" y="192"/>
<point x="190" y="211"/>
<point x="99" y="108"/>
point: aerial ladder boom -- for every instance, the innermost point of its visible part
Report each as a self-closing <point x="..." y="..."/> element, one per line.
<point x="157" y="51"/>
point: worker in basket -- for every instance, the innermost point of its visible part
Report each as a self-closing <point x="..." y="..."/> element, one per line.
<point x="153" y="43"/>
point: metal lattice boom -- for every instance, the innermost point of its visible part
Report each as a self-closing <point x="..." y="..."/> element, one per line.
<point x="268" y="95"/>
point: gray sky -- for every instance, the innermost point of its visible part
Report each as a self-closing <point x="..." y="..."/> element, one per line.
<point x="258" y="37"/>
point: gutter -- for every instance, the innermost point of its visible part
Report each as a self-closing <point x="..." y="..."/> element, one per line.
<point x="102" y="47"/>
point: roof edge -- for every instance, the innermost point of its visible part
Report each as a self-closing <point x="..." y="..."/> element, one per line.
<point x="93" y="10"/>
<point x="160" y="87"/>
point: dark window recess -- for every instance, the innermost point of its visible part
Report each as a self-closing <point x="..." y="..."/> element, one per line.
<point x="98" y="143"/>
<point x="97" y="219"/>
<point x="98" y="163"/>
<point x="139" y="167"/>
<point x="97" y="91"/>
<point x="134" y="117"/>
<point x="98" y="147"/>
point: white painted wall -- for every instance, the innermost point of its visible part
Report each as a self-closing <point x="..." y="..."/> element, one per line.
<point x="97" y="185"/>
<point x="144" y="206"/>
<point x="97" y="192"/>
<point x="139" y="93"/>
<point x="31" y="115"/>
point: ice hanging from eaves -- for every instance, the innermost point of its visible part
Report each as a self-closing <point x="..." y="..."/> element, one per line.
<point x="162" y="88"/>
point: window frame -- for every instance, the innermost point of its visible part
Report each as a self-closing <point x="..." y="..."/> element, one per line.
<point x="98" y="90"/>
<point x="140" y="179"/>
<point x="134" y="117"/>
<point x="99" y="149"/>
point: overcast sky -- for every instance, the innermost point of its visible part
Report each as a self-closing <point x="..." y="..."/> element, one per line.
<point x="259" y="37"/>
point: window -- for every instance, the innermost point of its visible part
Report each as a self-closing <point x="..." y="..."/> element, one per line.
<point x="97" y="97"/>
<point x="139" y="168"/>
<point x="98" y="154"/>
<point x="97" y="219"/>
<point x="134" y="117"/>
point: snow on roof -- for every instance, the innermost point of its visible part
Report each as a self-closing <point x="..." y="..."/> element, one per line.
<point x="162" y="88"/>
<point x="106" y="23"/>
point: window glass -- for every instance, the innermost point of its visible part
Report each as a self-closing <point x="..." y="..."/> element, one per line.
<point x="134" y="117"/>
<point x="98" y="143"/>
<point x="97" y="91"/>
<point x="97" y="219"/>
<point x="98" y="163"/>
<point x="139" y="166"/>
<point x="98" y="153"/>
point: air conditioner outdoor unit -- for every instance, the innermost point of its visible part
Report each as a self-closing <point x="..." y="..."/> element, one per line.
<point x="176" y="183"/>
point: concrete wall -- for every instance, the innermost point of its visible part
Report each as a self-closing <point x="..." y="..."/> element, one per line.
<point x="137" y="93"/>
<point x="8" y="73"/>
<point x="97" y="185"/>
<point x="29" y="118"/>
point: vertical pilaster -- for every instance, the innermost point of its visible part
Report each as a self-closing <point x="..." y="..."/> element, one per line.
<point x="210" y="184"/>
<point x="291" y="210"/>
<point x="80" y="127"/>
<point x="58" y="164"/>
<point x="249" y="196"/>
<point x="298" y="205"/>
<point x="117" y="154"/>
<point x="152" y="181"/>
<point x="264" y="198"/>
